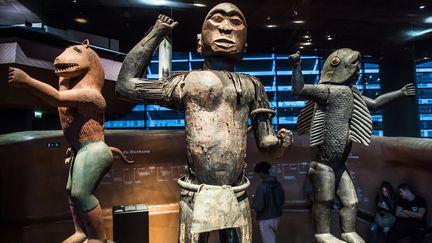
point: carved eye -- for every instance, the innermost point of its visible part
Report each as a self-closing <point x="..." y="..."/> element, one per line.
<point x="217" y="18"/>
<point x="335" y="61"/>
<point x="236" y="21"/>
<point x="77" y="49"/>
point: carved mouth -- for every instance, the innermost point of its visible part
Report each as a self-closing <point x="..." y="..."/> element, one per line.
<point x="224" y="42"/>
<point x="65" y="67"/>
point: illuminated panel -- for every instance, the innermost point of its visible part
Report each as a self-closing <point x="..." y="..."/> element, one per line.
<point x="274" y="73"/>
<point x="424" y="95"/>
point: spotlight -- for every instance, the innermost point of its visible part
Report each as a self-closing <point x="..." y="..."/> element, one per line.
<point x="299" y="21"/>
<point x="271" y="26"/>
<point x="81" y="20"/>
<point x="200" y="5"/>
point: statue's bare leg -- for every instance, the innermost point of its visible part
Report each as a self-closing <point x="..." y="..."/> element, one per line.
<point x="323" y="181"/>
<point x="91" y="163"/>
<point x="79" y="236"/>
<point x="348" y="197"/>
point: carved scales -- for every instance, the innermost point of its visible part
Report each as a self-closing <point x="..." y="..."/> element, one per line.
<point x="360" y="122"/>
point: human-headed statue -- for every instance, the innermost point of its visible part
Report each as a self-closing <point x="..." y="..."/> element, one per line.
<point x="81" y="109"/>
<point x="335" y="116"/>
<point x="224" y="33"/>
<point x="217" y="103"/>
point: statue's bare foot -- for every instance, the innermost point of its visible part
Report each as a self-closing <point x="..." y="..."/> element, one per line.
<point x="77" y="237"/>
<point x="327" y="238"/>
<point x="352" y="237"/>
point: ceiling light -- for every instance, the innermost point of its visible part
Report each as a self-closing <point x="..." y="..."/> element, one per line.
<point x="306" y="43"/>
<point x="329" y="38"/>
<point x="200" y="5"/>
<point x="173" y="4"/>
<point x="81" y="20"/>
<point x="299" y="21"/>
<point x="415" y="33"/>
<point x="155" y="2"/>
<point x="422" y="6"/>
<point x="301" y="47"/>
<point x="306" y="36"/>
<point x="271" y="26"/>
<point x="74" y="1"/>
<point x="428" y="20"/>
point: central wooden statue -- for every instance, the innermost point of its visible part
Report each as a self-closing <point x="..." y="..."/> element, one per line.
<point x="217" y="103"/>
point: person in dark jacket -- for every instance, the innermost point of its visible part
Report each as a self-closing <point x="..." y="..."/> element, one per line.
<point x="385" y="202"/>
<point x="268" y="202"/>
<point x="385" y="215"/>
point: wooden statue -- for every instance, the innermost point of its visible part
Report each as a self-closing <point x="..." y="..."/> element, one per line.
<point x="81" y="109"/>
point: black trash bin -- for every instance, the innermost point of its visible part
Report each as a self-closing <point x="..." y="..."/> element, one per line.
<point x="131" y="223"/>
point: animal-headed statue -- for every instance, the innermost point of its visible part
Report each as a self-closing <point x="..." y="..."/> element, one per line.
<point x="335" y="116"/>
<point x="81" y="109"/>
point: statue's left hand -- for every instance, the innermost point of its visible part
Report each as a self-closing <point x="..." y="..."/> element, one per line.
<point x="17" y="77"/>
<point x="408" y="90"/>
<point x="286" y="139"/>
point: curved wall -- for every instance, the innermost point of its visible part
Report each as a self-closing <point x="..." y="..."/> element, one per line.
<point x="33" y="178"/>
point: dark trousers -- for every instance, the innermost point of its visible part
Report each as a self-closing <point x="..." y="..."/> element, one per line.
<point x="401" y="230"/>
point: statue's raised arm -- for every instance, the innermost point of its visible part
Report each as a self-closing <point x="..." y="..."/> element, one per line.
<point x="131" y="83"/>
<point x="317" y="93"/>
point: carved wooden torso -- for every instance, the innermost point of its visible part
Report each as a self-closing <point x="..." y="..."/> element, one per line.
<point x="216" y="115"/>
<point x="82" y="123"/>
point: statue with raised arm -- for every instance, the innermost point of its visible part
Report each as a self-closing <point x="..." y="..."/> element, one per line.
<point x="81" y="109"/>
<point x="217" y="103"/>
<point x="335" y="116"/>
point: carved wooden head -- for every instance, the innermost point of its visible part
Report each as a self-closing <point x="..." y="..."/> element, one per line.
<point x="224" y="32"/>
<point x="80" y="61"/>
<point x="341" y="67"/>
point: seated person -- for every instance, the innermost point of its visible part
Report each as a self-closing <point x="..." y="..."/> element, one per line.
<point x="385" y="215"/>
<point x="385" y="203"/>
<point x="410" y="216"/>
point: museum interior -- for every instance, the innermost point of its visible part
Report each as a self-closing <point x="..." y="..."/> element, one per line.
<point x="139" y="202"/>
